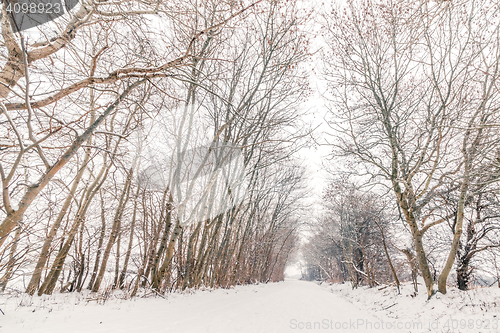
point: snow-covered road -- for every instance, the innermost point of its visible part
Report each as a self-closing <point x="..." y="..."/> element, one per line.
<point x="290" y="306"/>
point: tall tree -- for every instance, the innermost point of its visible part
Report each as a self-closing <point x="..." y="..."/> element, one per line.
<point x="409" y="82"/>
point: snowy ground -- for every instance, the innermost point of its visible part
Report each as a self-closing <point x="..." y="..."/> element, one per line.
<point x="476" y="310"/>
<point x="290" y="306"/>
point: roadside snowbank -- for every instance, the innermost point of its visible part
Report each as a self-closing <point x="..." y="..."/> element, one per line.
<point x="476" y="310"/>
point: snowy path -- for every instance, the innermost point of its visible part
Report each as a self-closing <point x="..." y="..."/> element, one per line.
<point x="288" y="306"/>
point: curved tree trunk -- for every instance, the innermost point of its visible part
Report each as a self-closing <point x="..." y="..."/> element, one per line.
<point x="413" y="267"/>
<point x="42" y="259"/>
<point x="160" y="274"/>
<point x="99" y="245"/>
<point x="123" y="274"/>
<point x="51" y="279"/>
<point x="115" y="229"/>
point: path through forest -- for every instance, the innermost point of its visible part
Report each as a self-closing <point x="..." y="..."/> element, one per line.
<point x="290" y="306"/>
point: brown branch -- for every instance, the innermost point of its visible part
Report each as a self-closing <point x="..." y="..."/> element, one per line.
<point x="30" y="111"/>
<point x="43" y="50"/>
<point x="428" y="226"/>
<point x="32" y="192"/>
<point x="124" y="73"/>
<point x="77" y="86"/>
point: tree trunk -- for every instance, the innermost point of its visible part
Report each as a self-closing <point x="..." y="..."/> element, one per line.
<point x="193" y="240"/>
<point x="145" y="258"/>
<point x="158" y="277"/>
<point x="167" y="208"/>
<point x="389" y="261"/>
<point x="99" y="245"/>
<point x="117" y="261"/>
<point x="463" y="274"/>
<point x="81" y="267"/>
<point x="121" y="280"/>
<point x="114" y="230"/>
<point x="413" y="267"/>
<point x="51" y="279"/>
<point x="417" y="239"/>
<point x="12" y="261"/>
<point x="42" y="259"/>
<point x="49" y="284"/>
<point x="457" y="232"/>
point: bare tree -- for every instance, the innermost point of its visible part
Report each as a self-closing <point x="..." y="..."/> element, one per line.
<point x="410" y="82"/>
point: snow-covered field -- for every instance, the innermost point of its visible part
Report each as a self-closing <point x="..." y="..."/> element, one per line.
<point x="290" y="306"/>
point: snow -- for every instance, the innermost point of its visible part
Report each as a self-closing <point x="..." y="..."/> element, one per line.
<point x="289" y="306"/>
<point x="274" y="307"/>
<point x="477" y="310"/>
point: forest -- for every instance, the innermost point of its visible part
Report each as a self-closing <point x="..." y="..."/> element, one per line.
<point x="149" y="145"/>
<point x="157" y="146"/>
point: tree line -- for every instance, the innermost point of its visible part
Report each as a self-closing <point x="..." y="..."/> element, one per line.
<point x="415" y="119"/>
<point x="149" y="144"/>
